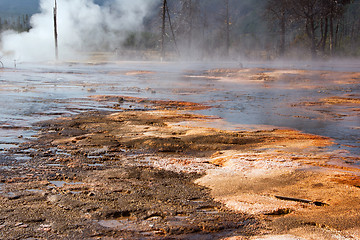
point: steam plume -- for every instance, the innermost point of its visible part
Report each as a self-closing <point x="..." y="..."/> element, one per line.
<point x="82" y="26"/>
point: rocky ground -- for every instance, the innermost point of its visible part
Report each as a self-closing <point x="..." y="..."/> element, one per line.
<point x="154" y="170"/>
<point x="95" y="176"/>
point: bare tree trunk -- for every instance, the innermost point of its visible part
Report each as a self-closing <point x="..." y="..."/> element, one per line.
<point x="310" y="30"/>
<point x="172" y="29"/>
<point x="336" y="42"/>
<point x="282" y="34"/>
<point x="205" y="47"/>
<point x="352" y="35"/>
<point x="163" y="29"/>
<point x="325" y="34"/>
<point x="331" y="34"/>
<point x="55" y="32"/>
<point x="227" y="50"/>
<point x="190" y="27"/>
<point x="357" y="36"/>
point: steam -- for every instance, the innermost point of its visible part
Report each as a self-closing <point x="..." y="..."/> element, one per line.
<point x="83" y="26"/>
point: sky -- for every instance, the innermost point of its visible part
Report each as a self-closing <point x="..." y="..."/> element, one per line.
<point x="18" y="7"/>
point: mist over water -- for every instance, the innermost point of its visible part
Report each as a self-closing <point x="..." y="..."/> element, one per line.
<point x="83" y="26"/>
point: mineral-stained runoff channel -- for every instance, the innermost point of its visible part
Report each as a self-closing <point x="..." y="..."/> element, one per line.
<point x="119" y="161"/>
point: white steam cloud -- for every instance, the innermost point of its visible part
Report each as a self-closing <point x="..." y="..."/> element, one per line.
<point x="83" y="26"/>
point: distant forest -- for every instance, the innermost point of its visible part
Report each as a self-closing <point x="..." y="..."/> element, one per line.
<point x="254" y="29"/>
<point x="267" y="29"/>
<point x="18" y="23"/>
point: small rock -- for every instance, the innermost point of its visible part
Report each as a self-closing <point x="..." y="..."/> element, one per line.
<point x="91" y="194"/>
<point x="54" y="198"/>
<point x="45" y="227"/>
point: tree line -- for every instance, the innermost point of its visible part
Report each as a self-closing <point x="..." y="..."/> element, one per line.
<point x="266" y="28"/>
<point x="19" y="23"/>
<point x="328" y="27"/>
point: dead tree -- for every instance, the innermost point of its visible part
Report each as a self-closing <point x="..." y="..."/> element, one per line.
<point x="227" y="20"/>
<point x="55" y="32"/>
<point x="166" y="12"/>
<point x="163" y="29"/>
<point x="190" y="17"/>
<point x="277" y="11"/>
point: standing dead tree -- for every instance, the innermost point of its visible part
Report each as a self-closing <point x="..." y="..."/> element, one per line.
<point x="163" y="29"/>
<point x="190" y="6"/>
<point x="166" y="12"/>
<point x="278" y="12"/>
<point x="227" y="21"/>
<point x="55" y="32"/>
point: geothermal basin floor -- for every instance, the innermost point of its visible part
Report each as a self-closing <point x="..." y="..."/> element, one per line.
<point x="143" y="168"/>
